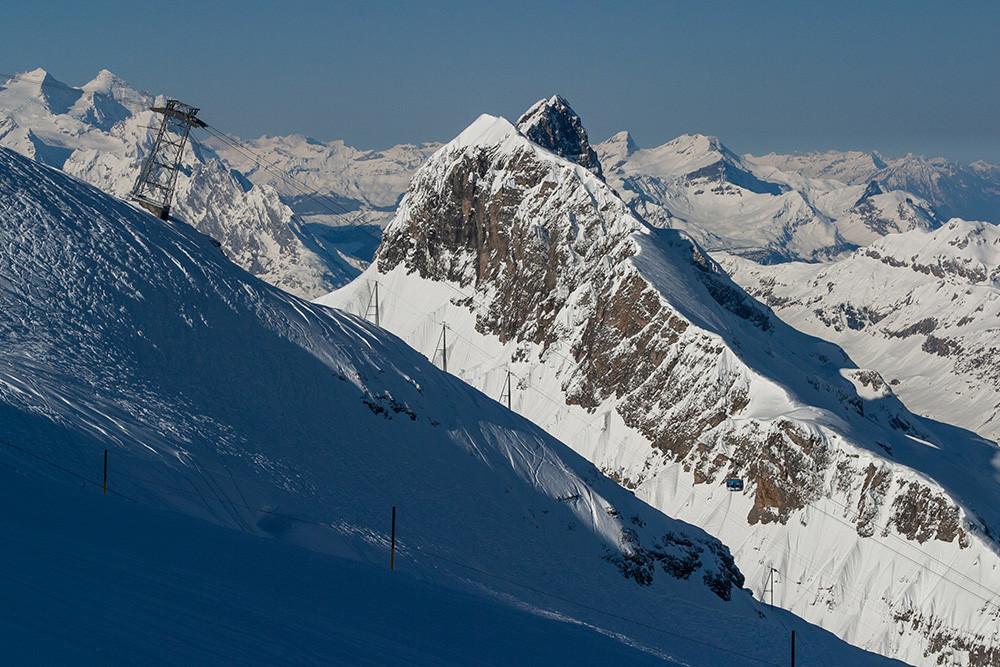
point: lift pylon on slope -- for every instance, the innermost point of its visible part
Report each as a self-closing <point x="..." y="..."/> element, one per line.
<point x="154" y="188"/>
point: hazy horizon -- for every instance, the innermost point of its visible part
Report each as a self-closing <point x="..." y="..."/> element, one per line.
<point x="773" y="77"/>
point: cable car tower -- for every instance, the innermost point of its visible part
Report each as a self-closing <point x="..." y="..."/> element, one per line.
<point x="155" y="186"/>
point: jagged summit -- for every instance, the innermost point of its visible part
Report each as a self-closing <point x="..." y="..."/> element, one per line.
<point x="872" y="189"/>
<point x="553" y="124"/>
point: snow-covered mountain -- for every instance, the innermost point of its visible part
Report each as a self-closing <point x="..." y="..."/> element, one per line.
<point x="526" y="275"/>
<point x="102" y="131"/>
<point x="696" y="184"/>
<point x="226" y="399"/>
<point x="969" y="191"/>
<point x="919" y="307"/>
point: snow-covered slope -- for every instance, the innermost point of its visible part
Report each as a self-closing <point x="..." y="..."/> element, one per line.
<point x="726" y="202"/>
<point x="226" y="399"/>
<point x="102" y="131"/>
<point x="95" y="580"/>
<point x="921" y="308"/>
<point x="969" y="191"/>
<point x="527" y="276"/>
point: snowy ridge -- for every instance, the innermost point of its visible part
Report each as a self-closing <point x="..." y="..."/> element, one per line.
<point x="918" y="307"/>
<point x="633" y="346"/>
<point x="752" y="209"/>
<point x="217" y="394"/>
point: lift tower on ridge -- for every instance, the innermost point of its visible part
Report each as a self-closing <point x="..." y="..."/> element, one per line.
<point x="155" y="186"/>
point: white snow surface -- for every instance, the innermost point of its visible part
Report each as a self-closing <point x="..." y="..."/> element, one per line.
<point x="222" y="398"/>
<point x="844" y="560"/>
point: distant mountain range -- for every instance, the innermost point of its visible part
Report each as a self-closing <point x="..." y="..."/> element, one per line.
<point x="971" y="192"/>
<point x="726" y="202"/>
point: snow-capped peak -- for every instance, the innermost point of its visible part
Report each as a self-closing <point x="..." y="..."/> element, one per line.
<point x="486" y="129"/>
<point x="554" y="125"/>
<point x="631" y="344"/>
<point x="111" y="85"/>
<point x="35" y="77"/>
<point x="40" y="86"/>
<point x="615" y="151"/>
<point x="687" y="154"/>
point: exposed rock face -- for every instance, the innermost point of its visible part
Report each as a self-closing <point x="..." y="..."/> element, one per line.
<point x="554" y="125"/>
<point x="635" y="348"/>
<point x="124" y="332"/>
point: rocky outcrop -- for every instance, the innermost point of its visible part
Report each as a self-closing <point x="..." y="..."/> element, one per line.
<point x="553" y="124"/>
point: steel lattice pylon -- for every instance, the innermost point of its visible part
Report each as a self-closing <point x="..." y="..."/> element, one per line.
<point x="155" y="186"/>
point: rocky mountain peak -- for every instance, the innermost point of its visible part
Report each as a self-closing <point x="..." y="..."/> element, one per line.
<point x="554" y="125"/>
<point x="672" y="379"/>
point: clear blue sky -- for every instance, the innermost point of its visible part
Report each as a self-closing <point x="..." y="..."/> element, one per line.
<point x="899" y="77"/>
